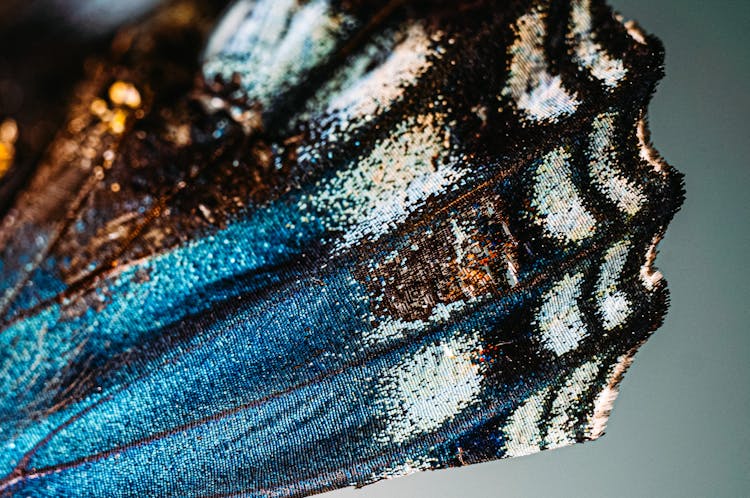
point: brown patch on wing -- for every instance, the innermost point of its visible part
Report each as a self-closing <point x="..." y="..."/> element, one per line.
<point x="465" y="257"/>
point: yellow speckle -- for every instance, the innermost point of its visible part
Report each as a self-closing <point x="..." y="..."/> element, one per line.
<point x="117" y="124"/>
<point x="123" y="93"/>
<point x="115" y="187"/>
<point x="6" y="151"/>
<point x="6" y="157"/>
<point x="8" y="136"/>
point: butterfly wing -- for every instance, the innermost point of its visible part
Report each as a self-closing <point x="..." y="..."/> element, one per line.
<point x="377" y="238"/>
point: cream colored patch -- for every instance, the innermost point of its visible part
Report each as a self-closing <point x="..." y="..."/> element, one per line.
<point x="397" y="176"/>
<point x="393" y="329"/>
<point x="379" y="89"/>
<point x="562" y="425"/>
<point x="429" y="388"/>
<point x="606" y="398"/>
<point x="559" y="317"/>
<point x="649" y="276"/>
<point x="589" y="54"/>
<point x="647" y="151"/>
<point x="603" y="166"/>
<point x="614" y="305"/>
<point x="635" y="31"/>
<point x="233" y="25"/>
<point x="272" y="43"/>
<point x="521" y="430"/>
<point x="557" y="202"/>
<point x="535" y="91"/>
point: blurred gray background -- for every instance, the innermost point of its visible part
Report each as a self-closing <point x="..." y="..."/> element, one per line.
<point x="680" y="425"/>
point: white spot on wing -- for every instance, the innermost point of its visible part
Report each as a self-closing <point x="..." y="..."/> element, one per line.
<point x="614" y="305"/>
<point x="521" y="430"/>
<point x="398" y="175"/>
<point x="271" y="43"/>
<point x="557" y="202"/>
<point x="393" y="329"/>
<point x="539" y="94"/>
<point x="380" y="88"/>
<point x="430" y="387"/>
<point x="559" y="317"/>
<point x="588" y="53"/>
<point x="603" y="156"/>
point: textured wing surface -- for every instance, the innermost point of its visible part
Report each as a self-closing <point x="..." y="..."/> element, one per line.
<point x="374" y="238"/>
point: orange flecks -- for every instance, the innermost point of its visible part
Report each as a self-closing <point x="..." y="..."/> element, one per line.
<point x="115" y="119"/>
<point x="117" y="123"/>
